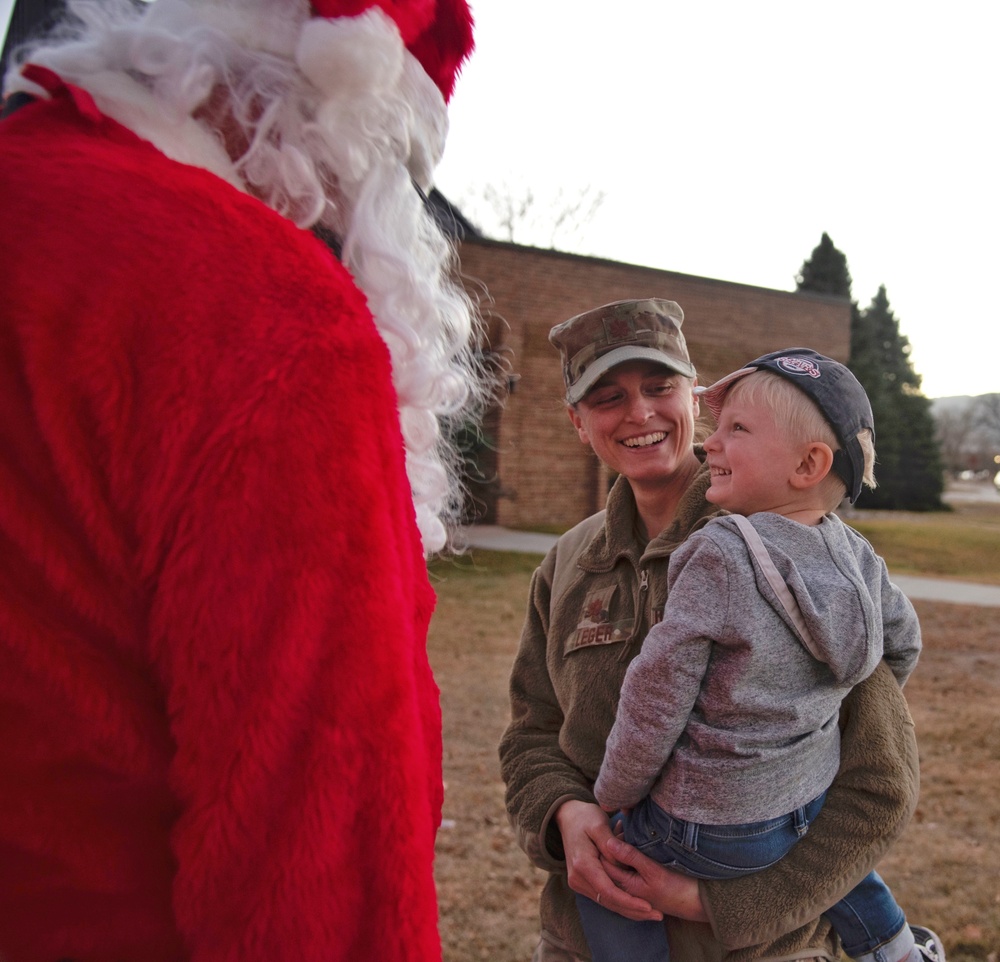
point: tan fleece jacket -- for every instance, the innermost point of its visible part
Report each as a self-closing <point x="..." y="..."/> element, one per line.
<point x="592" y="601"/>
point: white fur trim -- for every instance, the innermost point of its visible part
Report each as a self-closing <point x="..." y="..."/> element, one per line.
<point x="351" y="57"/>
<point x="185" y="140"/>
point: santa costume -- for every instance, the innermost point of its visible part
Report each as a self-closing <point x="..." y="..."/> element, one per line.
<point x="220" y="736"/>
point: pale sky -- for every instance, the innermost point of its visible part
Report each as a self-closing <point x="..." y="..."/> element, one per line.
<point x="6" y="8"/>
<point x="727" y="136"/>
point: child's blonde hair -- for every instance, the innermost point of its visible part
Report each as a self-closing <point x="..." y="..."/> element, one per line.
<point x="801" y="420"/>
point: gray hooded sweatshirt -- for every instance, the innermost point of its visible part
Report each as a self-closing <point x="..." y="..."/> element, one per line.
<point x="725" y="716"/>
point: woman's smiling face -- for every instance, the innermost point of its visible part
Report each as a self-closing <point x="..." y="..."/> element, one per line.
<point x="639" y="419"/>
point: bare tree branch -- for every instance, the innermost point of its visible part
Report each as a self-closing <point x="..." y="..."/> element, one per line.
<point x="518" y="215"/>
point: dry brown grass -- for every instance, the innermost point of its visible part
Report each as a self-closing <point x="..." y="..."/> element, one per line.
<point x="945" y="871"/>
<point x="963" y="545"/>
<point x="488" y="891"/>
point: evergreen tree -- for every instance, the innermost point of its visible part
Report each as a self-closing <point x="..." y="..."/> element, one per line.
<point x="908" y="469"/>
<point x="826" y="271"/>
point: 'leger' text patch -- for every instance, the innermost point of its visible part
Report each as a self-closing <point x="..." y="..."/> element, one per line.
<point x="595" y="626"/>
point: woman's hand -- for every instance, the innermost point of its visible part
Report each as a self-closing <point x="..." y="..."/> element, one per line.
<point x="585" y="830"/>
<point x="670" y="892"/>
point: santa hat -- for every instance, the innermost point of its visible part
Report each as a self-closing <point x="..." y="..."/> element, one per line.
<point x="437" y="32"/>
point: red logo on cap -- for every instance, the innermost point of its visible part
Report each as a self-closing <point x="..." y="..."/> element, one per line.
<point x="799" y="365"/>
<point x="619" y="329"/>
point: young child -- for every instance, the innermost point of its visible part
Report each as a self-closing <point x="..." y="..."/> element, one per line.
<point x="727" y="736"/>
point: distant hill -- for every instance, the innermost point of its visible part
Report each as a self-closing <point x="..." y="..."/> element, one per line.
<point x="948" y="403"/>
<point x="957" y="402"/>
<point x="968" y="431"/>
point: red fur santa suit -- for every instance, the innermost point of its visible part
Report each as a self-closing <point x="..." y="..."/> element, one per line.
<point x="219" y="732"/>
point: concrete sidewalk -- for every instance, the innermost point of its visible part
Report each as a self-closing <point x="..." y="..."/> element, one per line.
<point x="916" y="588"/>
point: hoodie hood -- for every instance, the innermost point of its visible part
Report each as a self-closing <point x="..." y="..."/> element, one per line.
<point x="840" y="611"/>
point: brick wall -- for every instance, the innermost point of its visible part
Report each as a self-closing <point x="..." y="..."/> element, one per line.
<point x="545" y="475"/>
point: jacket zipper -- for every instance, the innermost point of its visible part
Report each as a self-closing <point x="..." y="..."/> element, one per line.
<point x="640" y="616"/>
<point x="642" y="610"/>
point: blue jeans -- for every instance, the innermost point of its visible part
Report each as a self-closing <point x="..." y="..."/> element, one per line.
<point x="866" y="918"/>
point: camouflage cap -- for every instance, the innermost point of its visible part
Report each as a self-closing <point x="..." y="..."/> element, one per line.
<point x="637" y="330"/>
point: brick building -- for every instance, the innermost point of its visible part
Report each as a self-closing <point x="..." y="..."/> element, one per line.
<point x="536" y="471"/>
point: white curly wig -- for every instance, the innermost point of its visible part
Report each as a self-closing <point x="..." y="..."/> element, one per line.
<point x="332" y="123"/>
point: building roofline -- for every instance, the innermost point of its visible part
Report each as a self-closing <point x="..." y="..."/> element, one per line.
<point x="482" y="241"/>
<point x="449" y="218"/>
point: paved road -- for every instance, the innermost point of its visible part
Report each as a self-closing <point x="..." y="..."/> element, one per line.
<point x="915" y="587"/>
<point x="968" y="492"/>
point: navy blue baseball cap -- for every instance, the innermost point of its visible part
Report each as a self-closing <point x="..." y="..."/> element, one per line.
<point x="834" y="389"/>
